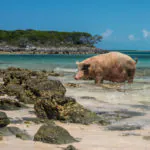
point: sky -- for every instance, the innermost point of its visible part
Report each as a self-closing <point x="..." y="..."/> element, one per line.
<point x="124" y="24"/>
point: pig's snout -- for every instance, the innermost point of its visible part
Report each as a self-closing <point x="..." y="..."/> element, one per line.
<point x="76" y="78"/>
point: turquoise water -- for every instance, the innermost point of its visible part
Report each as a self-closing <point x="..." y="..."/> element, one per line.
<point x="61" y="62"/>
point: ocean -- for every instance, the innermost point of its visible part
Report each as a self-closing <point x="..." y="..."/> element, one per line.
<point x="107" y="98"/>
<point x="65" y="63"/>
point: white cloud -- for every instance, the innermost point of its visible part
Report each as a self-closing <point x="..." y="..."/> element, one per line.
<point x="107" y="33"/>
<point x="146" y="33"/>
<point x="131" y="37"/>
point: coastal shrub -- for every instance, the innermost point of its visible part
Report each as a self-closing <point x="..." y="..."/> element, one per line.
<point x="29" y="37"/>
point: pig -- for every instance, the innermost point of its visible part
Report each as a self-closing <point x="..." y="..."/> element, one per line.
<point x="112" y="66"/>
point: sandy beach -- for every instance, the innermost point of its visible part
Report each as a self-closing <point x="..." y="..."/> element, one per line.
<point x="104" y="98"/>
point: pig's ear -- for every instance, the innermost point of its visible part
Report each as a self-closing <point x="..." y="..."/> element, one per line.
<point x="77" y="62"/>
<point x="86" y="65"/>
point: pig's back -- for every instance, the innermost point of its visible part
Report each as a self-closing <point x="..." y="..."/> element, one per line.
<point x="110" y="59"/>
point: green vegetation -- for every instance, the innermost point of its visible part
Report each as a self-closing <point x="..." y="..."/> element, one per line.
<point x="24" y="38"/>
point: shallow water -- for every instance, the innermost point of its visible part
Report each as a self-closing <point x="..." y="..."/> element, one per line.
<point x="108" y="97"/>
<point x="109" y="92"/>
<point x="61" y="62"/>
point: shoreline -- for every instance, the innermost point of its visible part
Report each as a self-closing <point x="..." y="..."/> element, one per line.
<point x="124" y="121"/>
<point x="51" y="50"/>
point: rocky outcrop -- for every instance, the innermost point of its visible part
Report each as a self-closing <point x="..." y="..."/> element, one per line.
<point x="10" y="104"/>
<point x="4" y="121"/>
<point x="28" y="85"/>
<point x="65" y="109"/>
<point x="33" y="87"/>
<point x="72" y="85"/>
<point x="53" y="134"/>
<point x="70" y="147"/>
<point x="53" y="50"/>
<point x="14" y="131"/>
<point x="45" y="88"/>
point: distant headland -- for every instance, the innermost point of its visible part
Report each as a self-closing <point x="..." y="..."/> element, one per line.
<point x="48" y="42"/>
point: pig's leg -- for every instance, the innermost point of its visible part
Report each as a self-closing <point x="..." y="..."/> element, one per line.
<point x="98" y="79"/>
<point x="131" y="76"/>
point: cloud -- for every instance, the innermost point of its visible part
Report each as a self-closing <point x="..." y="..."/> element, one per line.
<point x="107" y="33"/>
<point x="146" y="33"/>
<point x="131" y="37"/>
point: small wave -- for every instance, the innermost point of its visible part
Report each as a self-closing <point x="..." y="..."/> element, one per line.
<point x="65" y="70"/>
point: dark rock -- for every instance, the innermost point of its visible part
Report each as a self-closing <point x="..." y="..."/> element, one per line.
<point x="74" y="85"/>
<point x="16" y="120"/>
<point x="88" y="97"/>
<point x="19" y="133"/>
<point x="2" y="90"/>
<point x="28" y="85"/>
<point x="124" y="127"/>
<point x="130" y="134"/>
<point x="45" y="88"/>
<point x="65" y="109"/>
<point x="5" y="131"/>
<point x="15" y="77"/>
<point x="20" y="93"/>
<point x="55" y="74"/>
<point x="10" y="104"/>
<point x="34" y="120"/>
<point x="53" y="134"/>
<point x="143" y="107"/>
<point x="111" y="117"/>
<point x="70" y="147"/>
<point x="9" y="131"/>
<point x="4" y="121"/>
<point x="20" y="76"/>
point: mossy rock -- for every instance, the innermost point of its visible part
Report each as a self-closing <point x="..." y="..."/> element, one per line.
<point x="4" y="121"/>
<point x="14" y="89"/>
<point x="53" y="134"/>
<point x="15" y="77"/>
<point x="72" y="85"/>
<point x="34" y="120"/>
<point x="9" y="131"/>
<point x="2" y="89"/>
<point x="55" y="74"/>
<point x="20" y="133"/>
<point x="28" y="85"/>
<point x="45" y="88"/>
<point x="70" y="147"/>
<point x="20" y="76"/>
<point x="19" y="92"/>
<point x="2" y="72"/>
<point x="10" y="104"/>
<point x="65" y="109"/>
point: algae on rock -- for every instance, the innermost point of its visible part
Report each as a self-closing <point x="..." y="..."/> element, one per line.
<point x="28" y="85"/>
<point x="9" y="131"/>
<point x="70" y="147"/>
<point x="65" y="109"/>
<point x="4" y="121"/>
<point x="9" y="104"/>
<point x="51" y="133"/>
